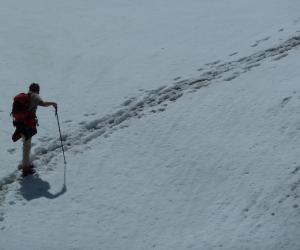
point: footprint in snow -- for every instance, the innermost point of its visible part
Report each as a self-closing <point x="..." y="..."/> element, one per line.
<point x="213" y="63"/>
<point x="11" y="150"/>
<point x="285" y="101"/>
<point x="234" y="53"/>
<point x="280" y="57"/>
<point x="295" y="170"/>
<point x="249" y="67"/>
<point x="259" y="41"/>
<point x="1" y="216"/>
<point x="295" y="185"/>
<point x="266" y="38"/>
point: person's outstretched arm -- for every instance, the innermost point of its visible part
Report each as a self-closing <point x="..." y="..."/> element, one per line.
<point x="47" y="104"/>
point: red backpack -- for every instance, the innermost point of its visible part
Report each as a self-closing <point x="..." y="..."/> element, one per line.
<point x="20" y="107"/>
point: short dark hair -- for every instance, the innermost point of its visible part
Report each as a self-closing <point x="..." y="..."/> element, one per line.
<point x="34" y="87"/>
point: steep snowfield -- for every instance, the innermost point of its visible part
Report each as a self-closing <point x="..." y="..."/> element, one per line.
<point x="181" y="123"/>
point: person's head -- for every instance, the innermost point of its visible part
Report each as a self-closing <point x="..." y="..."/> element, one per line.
<point x="34" y="87"/>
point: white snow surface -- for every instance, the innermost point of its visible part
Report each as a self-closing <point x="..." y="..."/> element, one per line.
<point x="180" y="121"/>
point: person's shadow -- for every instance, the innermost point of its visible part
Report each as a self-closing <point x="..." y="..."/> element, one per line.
<point x="33" y="187"/>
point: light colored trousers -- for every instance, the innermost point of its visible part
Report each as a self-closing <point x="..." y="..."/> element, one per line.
<point x="26" y="152"/>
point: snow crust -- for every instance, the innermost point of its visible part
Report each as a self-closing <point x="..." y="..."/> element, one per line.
<point x="180" y="122"/>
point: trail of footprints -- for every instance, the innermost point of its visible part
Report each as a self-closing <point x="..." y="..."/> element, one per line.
<point x="294" y="187"/>
<point x="152" y="101"/>
<point x="157" y="100"/>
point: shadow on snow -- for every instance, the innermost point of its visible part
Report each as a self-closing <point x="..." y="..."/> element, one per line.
<point x="33" y="187"/>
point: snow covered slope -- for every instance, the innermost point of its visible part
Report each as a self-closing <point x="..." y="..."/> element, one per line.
<point x="181" y="123"/>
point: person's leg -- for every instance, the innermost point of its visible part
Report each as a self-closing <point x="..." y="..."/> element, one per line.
<point x="26" y="154"/>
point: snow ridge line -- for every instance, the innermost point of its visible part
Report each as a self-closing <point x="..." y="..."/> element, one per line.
<point x="152" y="101"/>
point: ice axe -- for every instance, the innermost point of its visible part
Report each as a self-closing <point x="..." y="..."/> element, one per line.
<point x="62" y="147"/>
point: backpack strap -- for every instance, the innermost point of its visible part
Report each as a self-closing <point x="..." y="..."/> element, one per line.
<point x="29" y="97"/>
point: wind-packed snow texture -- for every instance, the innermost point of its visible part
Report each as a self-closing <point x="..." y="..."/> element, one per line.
<point x="180" y="121"/>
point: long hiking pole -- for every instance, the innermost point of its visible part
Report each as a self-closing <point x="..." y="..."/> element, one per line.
<point x="62" y="147"/>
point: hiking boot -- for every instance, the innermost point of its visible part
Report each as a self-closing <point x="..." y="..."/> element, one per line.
<point x="27" y="171"/>
<point x="20" y="166"/>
